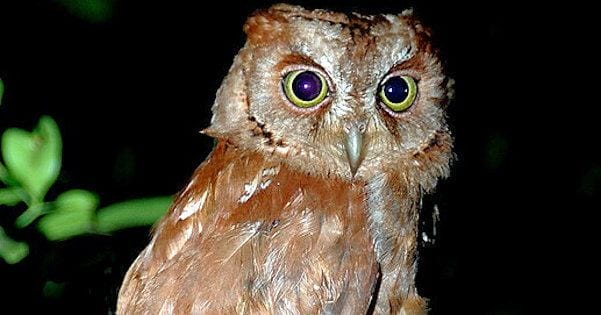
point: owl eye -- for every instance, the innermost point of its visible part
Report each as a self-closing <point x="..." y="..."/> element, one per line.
<point x="398" y="92"/>
<point x="305" y="88"/>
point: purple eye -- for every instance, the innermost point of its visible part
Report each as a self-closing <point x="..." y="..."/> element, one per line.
<point x="398" y="93"/>
<point x="396" y="89"/>
<point x="305" y="88"/>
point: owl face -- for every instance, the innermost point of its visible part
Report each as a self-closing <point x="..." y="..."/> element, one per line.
<point x="334" y="95"/>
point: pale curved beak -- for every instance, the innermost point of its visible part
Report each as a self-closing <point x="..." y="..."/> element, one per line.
<point x="354" y="146"/>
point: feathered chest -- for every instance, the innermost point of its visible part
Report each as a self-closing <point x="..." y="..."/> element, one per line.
<point x="264" y="233"/>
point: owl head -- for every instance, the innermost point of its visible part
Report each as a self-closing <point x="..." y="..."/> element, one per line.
<point x="336" y="95"/>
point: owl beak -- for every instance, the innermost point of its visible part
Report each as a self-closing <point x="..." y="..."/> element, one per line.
<point x="354" y="145"/>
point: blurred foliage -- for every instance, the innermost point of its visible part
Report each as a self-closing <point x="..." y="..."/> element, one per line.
<point x="34" y="159"/>
<point x="94" y="11"/>
<point x="53" y="289"/>
<point x="32" y="162"/>
<point x="126" y="214"/>
<point x="73" y="215"/>
<point x="11" y="251"/>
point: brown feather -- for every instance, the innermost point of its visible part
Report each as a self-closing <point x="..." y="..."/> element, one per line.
<point x="285" y="248"/>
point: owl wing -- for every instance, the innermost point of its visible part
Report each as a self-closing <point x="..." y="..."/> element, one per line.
<point x="250" y="235"/>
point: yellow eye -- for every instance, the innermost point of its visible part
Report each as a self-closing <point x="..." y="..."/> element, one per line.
<point x="305" y="88"/>
<point x="398" y="93"/>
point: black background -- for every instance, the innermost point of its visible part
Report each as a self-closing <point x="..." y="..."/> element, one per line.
<point x="130" y="95"/>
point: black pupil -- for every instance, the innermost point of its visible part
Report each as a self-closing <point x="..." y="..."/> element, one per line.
<point x="396" y="89"/>
<point x="306" y="86"/>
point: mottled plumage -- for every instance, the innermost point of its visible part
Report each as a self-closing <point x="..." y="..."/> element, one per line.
<point x="305" y="210"/>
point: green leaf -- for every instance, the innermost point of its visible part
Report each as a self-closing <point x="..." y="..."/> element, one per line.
<point x="12" y="251"/>
<point x="1" y="90"/>
<point x="132" y="213"/>
<point x="10" y="196"/>
<point x="76" y="199"/>
<point x="34" y="159"/>
<point x="73" y="215"/>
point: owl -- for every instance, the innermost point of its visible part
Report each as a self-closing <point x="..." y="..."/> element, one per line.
<point x="330" y="128"/>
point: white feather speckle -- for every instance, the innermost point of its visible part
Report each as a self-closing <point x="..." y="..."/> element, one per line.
<point x="178" y="242"/>
<point x="269" y="171"/>
<point x="249" y="190"/>
<point x="167" y="308"/>
<point x="260" y="182"/>
<point x="194" y="205"/>
<point x="265" y="184"/>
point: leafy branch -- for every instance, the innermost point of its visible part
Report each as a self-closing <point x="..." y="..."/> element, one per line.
<point x="32" y="162"/>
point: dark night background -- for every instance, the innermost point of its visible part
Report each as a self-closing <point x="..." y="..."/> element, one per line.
<point x="131" y="90"/>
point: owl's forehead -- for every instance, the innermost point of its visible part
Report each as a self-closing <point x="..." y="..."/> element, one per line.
<point x="337" y="37"/>
<point x="357" y="36"/>
<point x="359" y="43"/>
